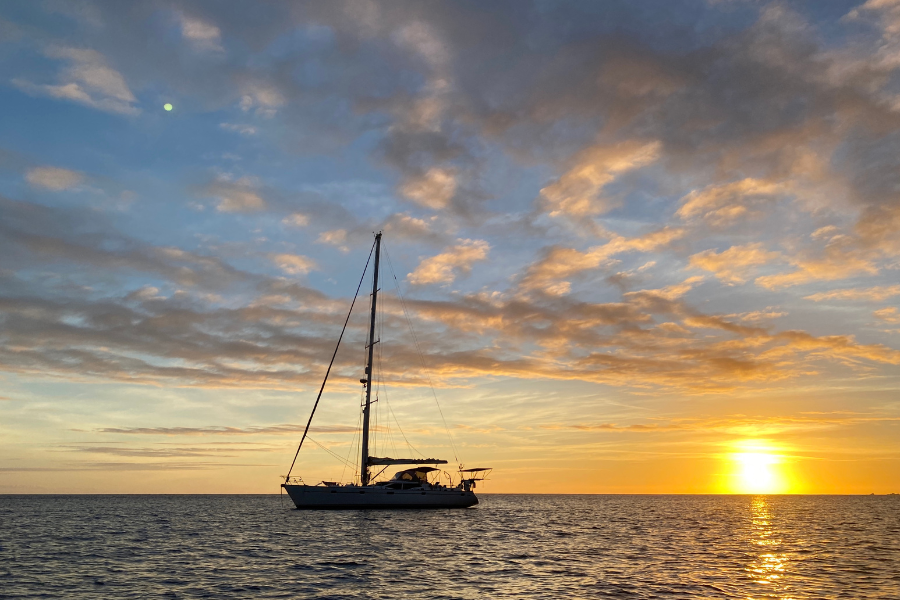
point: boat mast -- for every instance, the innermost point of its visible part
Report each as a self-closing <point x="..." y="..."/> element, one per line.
<point x="364" y="459"/>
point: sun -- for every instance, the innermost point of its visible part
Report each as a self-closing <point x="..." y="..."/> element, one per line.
<point x="757" y="469"/>
<point x="757" y="474"/>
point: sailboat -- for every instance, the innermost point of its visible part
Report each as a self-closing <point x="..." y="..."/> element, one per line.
<point x="418" y="486"/>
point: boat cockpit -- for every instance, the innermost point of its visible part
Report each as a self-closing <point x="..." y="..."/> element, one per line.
<point x="410" y="479"/>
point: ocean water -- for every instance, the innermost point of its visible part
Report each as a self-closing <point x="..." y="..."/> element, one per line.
<point x="510" y="546"/>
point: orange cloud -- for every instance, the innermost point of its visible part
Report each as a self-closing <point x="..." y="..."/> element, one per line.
<point x="335" y="237"/>
<point x="236" y="196"/>
<point x="874" y="294"/>
<point x="735" y="264"/>
<point x="577" y="192"/>
<point x="433" y="189"/>
<point x="824" y="269"/>
<point x="294" y="264"/>
<point x="739" y="424"/>
<point x="842" y="257"/>
<point x="888" y="315"/>
<point x="549" y="273"/>
<point x="447" y="265"/>
<point x="724" y="204"/>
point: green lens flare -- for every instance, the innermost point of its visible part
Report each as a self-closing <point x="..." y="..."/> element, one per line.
<point x="167" y="106"/>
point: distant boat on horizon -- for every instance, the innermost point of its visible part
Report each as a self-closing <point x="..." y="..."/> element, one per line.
<point x="416" y="487"/>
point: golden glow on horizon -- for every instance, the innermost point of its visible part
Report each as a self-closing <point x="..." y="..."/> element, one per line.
<point x="758" y="468"/>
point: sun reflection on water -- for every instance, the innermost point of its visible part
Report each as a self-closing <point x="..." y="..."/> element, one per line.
<point x="769" y="566"/>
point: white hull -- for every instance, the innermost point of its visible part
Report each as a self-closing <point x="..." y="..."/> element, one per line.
<point x="357" y="497"/>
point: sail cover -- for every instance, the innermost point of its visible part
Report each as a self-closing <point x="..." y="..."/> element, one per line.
<point x="374" y="460"/>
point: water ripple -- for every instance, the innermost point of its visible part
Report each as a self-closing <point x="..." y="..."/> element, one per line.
<point x="510" y="546"/>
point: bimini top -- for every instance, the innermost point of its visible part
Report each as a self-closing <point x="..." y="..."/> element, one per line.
<point x="417" y="474"/>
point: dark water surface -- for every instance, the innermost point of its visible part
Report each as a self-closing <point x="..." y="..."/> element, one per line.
<point x="510" y="546"/>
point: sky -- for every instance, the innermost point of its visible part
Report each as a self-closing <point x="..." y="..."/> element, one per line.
<point x="641" y="247"/>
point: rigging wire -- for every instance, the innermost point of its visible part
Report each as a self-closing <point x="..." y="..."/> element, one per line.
<point x="411" y="447"/>
<point x="382" y="385"/>
<point x="328" y="371"/>
<point x="419" y="350"/>
<point x="378" y="375"/>
<point x="369" y="341"/>
<point x="357" y="435"/>
<point x="382" y="390"/>
<point x="357" y="473"/>
<point x="327" y="450"/>
<point x="352" y="443"/>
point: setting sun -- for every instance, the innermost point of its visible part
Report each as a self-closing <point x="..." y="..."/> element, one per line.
<point x="757" y="469"/>
<point x="757" y="474"/>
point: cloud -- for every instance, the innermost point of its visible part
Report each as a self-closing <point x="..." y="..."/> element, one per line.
<point x="281" y="337"/>
<point x="151" y="452"/>
<point x="873" y="294"/>
<point x="724" y="204"/>
<point x="887" y="17"/>
<point x="241" y="128"/>
<point x="82" y="12"/>
<point x="53" y="178"/>
<point x="577" y="192"/>
<point x="242" y="195"/>
<point x="135" y="466"/>
<point x="335" y="237"/>
<point x="879" y="229"/>
<point x="294" y="264"/>
<point x="669" y="293"/>
<point x="33" y="234"/>
<point x="735" y="264"/>
<point x="888" y="315"/>
<point x="449" y="264"/>
<point x="402" y="226"/>
<point x="433" y="189"/>
<point x="296" y="220"/>
<point x="758" y="315"/>
<point x="824" y="232"/>
<point x="264" y="98"/>
<point x="833" y="266"/>
<point x="422" y="38"/>
<point x="738" y="424"/>
<point x="283" y="429"/>
<point x="88" y="80"/>
<point x="758" y="115"/>
<point x="557" y="264"/>
<point x="201" y="35"/>
<point x="177" y="344"/>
